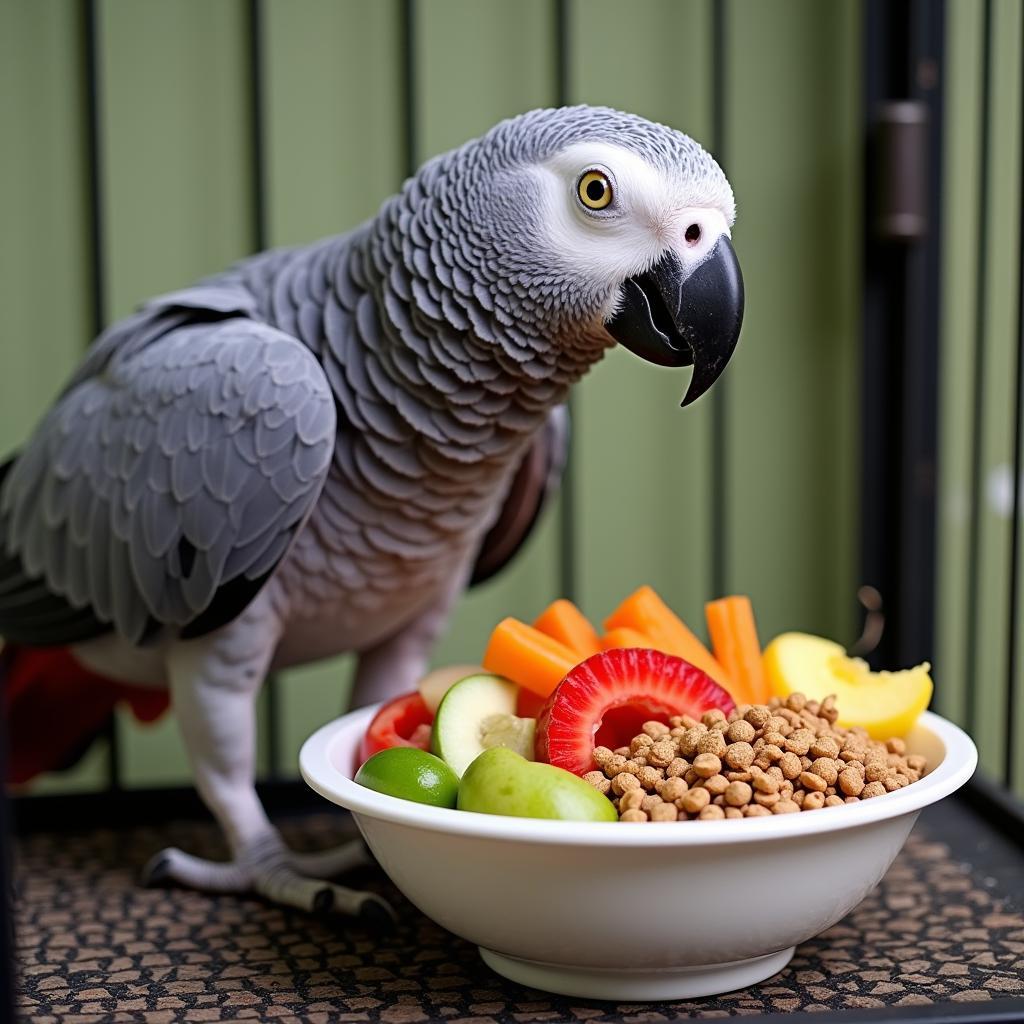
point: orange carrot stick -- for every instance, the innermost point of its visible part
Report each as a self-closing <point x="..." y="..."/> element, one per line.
<point x="733" y="635"/>
<point x="623" y="636"/>
<point x="563" y="621"/>
<point x="528" y="657"/>
<point x="645" y="612"/>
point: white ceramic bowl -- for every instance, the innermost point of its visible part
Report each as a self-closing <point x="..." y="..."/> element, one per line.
<point x="635" y="912"/>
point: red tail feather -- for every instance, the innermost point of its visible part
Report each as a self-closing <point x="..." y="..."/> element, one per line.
<point x="55" y="708"/>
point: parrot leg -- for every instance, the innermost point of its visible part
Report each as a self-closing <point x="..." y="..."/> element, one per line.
<point x="395" y="665"/>
<point x="213" y="689"/>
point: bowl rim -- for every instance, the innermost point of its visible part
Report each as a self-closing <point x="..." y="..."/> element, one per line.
<point x="321" y="774"/>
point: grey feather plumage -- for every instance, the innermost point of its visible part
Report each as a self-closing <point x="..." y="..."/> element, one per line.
<point x="359" y="403"/>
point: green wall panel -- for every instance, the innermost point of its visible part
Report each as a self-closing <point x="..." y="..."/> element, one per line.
<point x="45" y="309"/>
<point x="793" y="155"/>
<point x="479" y="61"/>
<point x="177" y="186"/>
<point x="643" y="505"/>
<point x="176" y="125"/>
<point x="953" y="676"/>
<point x="45" y="233"/>
<point x="989" y="674"/>
<point x="332" y="114"/>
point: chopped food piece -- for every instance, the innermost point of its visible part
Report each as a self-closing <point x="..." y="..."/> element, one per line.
<point x="623" y="636"/>
<point x="434" y="685"/>
<point x="645" y="612"/>
<point x="669" y="765"/>
<point x="733" y="636"/>
<point x="564" y="622"/>
<point x="499" y="781"/>
<point x="884" y="703"/>
<point x="528" y="657"/>
<point x="477" y="713"/>
<point x="410" y="774"/>
<point x="605" y="700"/>
<point x="528" y="703"/>
<point x="402" y="722"/>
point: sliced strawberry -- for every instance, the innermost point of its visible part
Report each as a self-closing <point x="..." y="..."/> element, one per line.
<point x="605" y="701"/>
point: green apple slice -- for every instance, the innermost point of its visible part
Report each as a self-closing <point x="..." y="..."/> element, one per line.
<point x="476" y="714"/>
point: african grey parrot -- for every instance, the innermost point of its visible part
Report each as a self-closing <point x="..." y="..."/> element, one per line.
<point x="306" y="454"/>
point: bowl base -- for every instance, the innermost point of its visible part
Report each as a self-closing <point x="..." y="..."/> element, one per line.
<point x="638" y="985"/>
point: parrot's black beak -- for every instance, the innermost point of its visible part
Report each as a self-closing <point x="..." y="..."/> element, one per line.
<point x="673" y="320"/>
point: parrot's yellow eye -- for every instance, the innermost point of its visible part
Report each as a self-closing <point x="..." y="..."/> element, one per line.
<point x="594" y="190"/>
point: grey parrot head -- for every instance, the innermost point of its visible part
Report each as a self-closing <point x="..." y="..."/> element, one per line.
<point x="584" y="222"/>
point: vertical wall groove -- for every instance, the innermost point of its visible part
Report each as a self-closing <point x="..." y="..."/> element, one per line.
<point x="1013" y="643"/>
<point x="97" y="251"/>
<point x="567" y="534"/>
<point x="260" y="241"/>
<point x="978" y="397"/>
<point x="719" y="396"/>
<point x="407" y="45"/>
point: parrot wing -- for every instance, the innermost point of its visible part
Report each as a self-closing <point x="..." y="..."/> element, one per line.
<point x="163" y="489"/>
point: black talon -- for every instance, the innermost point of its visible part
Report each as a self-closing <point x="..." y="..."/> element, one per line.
<point x="157" y="873"/>
<point x="376" y="914"/>
<point x="323" y="901"/>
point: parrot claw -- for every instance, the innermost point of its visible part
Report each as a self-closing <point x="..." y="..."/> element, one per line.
<point x="268" y="868"/>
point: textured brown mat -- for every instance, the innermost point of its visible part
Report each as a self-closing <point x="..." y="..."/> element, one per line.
<point x="94" y="947"/>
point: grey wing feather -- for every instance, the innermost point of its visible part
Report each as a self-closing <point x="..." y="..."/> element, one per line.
<point x="164" y="488"/>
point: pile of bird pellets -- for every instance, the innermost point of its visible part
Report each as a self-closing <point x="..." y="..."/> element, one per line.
<point x="776" y="758"/>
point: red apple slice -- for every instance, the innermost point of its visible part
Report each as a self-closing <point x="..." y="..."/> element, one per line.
<point x="606" y="699"/>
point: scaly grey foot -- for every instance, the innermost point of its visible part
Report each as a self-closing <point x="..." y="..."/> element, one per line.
<point x="269" y="868"/>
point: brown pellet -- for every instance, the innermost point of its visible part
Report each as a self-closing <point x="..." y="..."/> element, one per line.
<point x="695" y="800"/>
<point x="664" y="812"/>
<point x="706" y="765"/>
<point x="688" y="742"/>
<point x="624" y="781"/>
<point x="598" y="780"/>
<point x="825" y="768"/>
<point x="739" y="755"/>
<point x="639" y="743"/>
<point x="738" y="794"/>
<point x="712" y="742"/>
<point x="671" y="789"/>
<point x="851" y="782"/>
<point x="786" y="807"/>
<point x="813" y="801"/>
<point x="740" y="732"/>
<point x="632" y="799"/>
<point x="635" y="815"/>
<point x="711" y="813"/>
<point x="813" y="783"/>
<point x="789" y="764"/>
<point x="649" y="777"/>
<point x="716" y="785"/>
<point x="662" y="753"/>
<point x="825" y="746"/>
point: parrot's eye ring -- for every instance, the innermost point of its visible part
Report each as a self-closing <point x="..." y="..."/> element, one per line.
<point x="594" y="189"/>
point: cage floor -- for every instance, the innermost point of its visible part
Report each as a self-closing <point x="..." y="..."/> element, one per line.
<point x="945" y="925"/>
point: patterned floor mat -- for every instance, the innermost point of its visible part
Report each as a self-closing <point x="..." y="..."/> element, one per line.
<point x="95" y="947"/>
